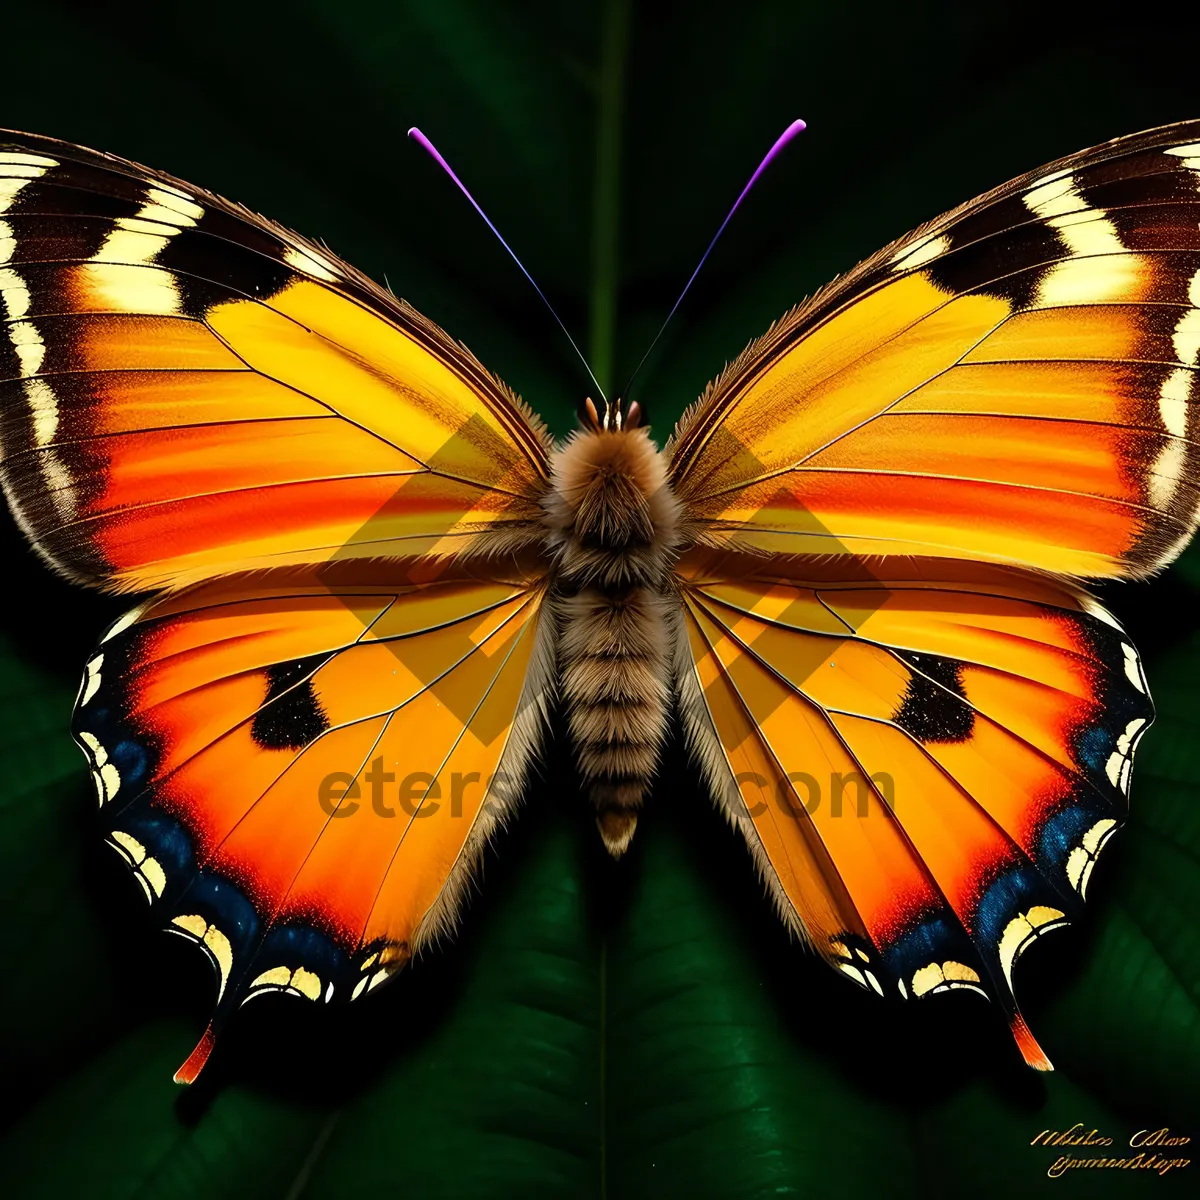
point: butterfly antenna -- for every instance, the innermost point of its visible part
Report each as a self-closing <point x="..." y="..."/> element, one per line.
<point x="786" y="136"/>
<point x="435" y="154"/>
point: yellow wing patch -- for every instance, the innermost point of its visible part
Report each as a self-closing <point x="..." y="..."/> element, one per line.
<point x="192" y="391"/>
<point x="1016" y="383"/>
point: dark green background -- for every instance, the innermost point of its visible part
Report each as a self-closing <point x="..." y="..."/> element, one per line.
<point x="597" y="1029"/>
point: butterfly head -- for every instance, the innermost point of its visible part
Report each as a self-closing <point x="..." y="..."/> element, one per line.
<point x="613" y="420"/>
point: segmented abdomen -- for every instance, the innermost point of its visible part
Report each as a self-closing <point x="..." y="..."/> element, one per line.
<point x="614" y="659"/>
<point x="613" y="529"/>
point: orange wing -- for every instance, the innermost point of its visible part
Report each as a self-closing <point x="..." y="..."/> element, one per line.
<point x="186" y="390"/>
<point x="302" y="772"/>
<point x="299" y="764"/>
<point x="925" y="760"/>
<point x="1015" y="382"/>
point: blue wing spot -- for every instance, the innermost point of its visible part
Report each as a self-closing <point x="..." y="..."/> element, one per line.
<point x="1093" y="747"/>
<point x="132" y="762"/>
<point x="164" y="838"/>
<point x="302" y="945"/>
<point x="224" y="905"/>
<point x="1061" y="834"/>
<point x="1011" y="893"/>
<point x="934" y="940"/>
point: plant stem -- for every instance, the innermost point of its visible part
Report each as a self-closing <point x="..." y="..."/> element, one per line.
<point x="606" y="197"/>
<point x="604" y="1068"/>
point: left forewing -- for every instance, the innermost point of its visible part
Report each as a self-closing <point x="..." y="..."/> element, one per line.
<point x="188" y="390"/>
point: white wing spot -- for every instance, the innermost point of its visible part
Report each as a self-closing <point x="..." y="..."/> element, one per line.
<point x="1190" y="154"/>
<point x="943" y="976"/>
<point x="1094" y="608"/>
<point x="123" y="622"/>
<point x="1174" y="407"/>
<point x="171" y="206"/>
<point x="1021" y="932"/>
<point x="17" y="171"/>
<point x="1054" y="197"/>
<point x="14" y="295"/>
<point x="1165" y="475"/>
<point x="91" y="683"/>
<point x="854" y="973"/>
<point x="105" y="775"/>
<point x="1100" y="267"/>
<point x="1083" y="856"/>
<point x="27" y="342"/>
<point x="121" y="274"/>
<point x="21" y="158"/>
<point x="147" y="870"/>
<point x="195" y="927"/>
<point x="926" y="250"/>
<point x="1173" y="401"/>
<point x="1186" y="338"/>
<point x="296" y="982"/>
<point x="309" y="262"/>
<point x="1133" y="667"/>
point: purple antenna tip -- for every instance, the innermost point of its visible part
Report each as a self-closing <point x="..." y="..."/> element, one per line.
<point x="435" y="154"/>
<point x="797" y="126"/>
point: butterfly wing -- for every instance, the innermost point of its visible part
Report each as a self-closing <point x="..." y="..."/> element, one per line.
<point x="925" y="761"/>
<point x="301" y="748"/>
<point x="302" y="772"/>
<point x="1014" y="382"/>
<point x="1011" y="387"/>
<point x="187" y="390"/>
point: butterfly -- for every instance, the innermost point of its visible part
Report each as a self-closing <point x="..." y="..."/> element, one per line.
<point x="366" y="575"/>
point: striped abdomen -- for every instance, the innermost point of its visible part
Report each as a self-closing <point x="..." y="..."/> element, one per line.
<point x="613" y="526"/>
<point x="614" y="680"/>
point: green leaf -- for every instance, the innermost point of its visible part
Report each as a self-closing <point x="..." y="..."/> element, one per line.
<point x="598" y="1029"/>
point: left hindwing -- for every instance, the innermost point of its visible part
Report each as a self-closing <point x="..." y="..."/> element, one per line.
<point x="1014" y="382"/>
<point x="302" y="772"/>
